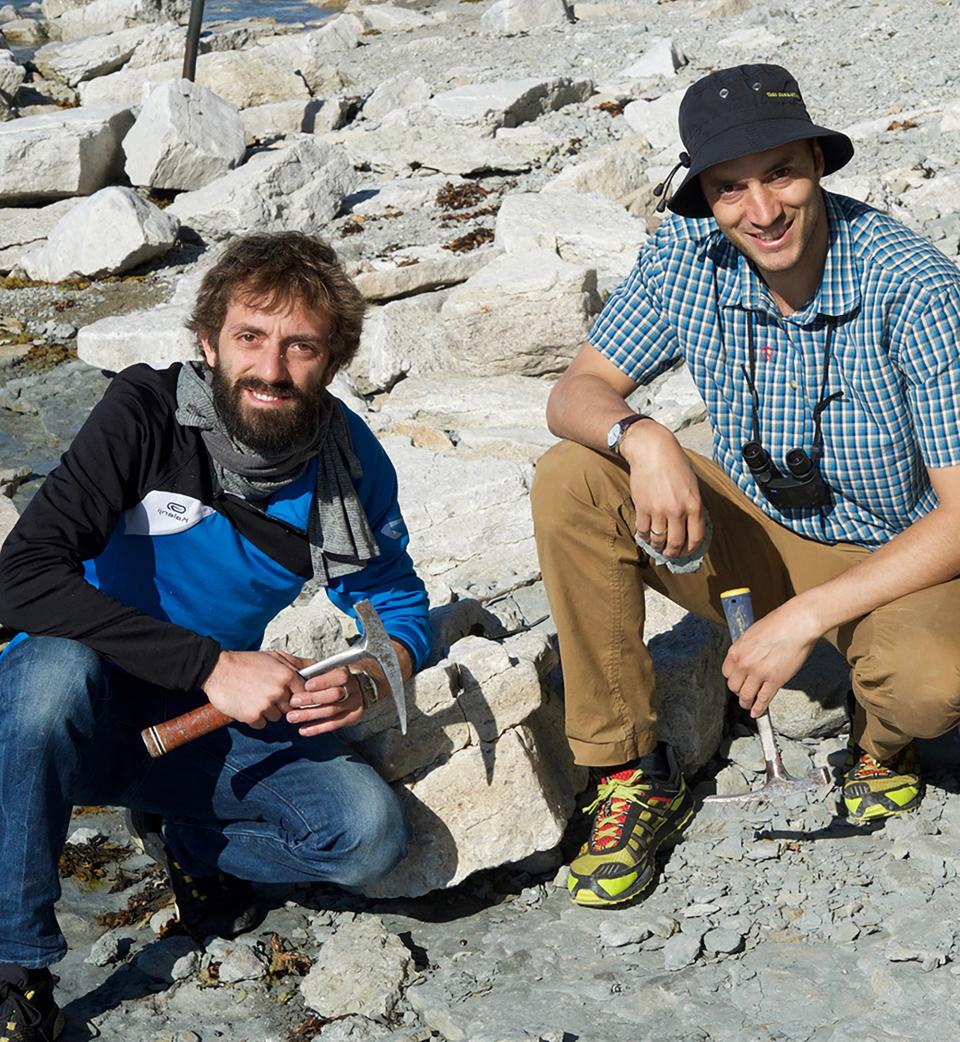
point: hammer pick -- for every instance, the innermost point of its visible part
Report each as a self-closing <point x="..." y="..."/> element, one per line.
<point x="738" y="609"/>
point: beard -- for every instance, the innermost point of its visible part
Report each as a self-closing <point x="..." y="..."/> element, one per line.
<point x="268" y="430"/>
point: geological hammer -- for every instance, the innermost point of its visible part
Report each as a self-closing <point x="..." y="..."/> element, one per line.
<point x="738" y="609"/>
<point x="376" y="644"/>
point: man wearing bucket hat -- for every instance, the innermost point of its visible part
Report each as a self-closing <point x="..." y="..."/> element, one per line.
<point x="823" y="338"/>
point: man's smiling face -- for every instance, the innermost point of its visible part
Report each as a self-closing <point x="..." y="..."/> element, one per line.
<point x="770" y="207"/>
<point x="269" y="371"/>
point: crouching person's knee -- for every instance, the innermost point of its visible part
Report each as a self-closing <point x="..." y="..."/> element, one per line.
<point x="913" y="682"/>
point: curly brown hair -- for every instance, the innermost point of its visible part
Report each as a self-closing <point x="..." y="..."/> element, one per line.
<point x="273" y="271"/>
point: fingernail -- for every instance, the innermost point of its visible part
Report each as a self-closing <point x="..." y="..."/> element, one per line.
<point x="296" y="701"/>
<point x="293" y="717"/>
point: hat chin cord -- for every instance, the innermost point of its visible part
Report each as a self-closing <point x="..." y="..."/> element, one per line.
<point x="683" y="160"/>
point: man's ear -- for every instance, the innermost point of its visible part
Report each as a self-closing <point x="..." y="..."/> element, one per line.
<point x="818" y="161"/>
<point x="209" y="350"/>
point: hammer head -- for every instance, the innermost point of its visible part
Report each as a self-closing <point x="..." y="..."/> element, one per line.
<point x="777" y="786"/>
<point x="378" y="645"/>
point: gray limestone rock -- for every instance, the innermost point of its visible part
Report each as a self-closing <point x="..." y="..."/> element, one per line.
<point x="514" y="16"/>
<point x="171" y="959"/>
<point x="680" y="950"/>
<point x="73" y="61"/>
<point x="362" y="970"/>
<point x="157" y="336"/>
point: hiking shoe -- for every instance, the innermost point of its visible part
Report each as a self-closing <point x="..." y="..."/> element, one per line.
<point x="634" y="815"/>
<point x="873" y="790"/>
<point x="220" y="905"/>
<point x="28" y="1012"/>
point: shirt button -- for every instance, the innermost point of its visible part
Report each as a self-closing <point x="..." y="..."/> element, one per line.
<point x="794" y="385"/>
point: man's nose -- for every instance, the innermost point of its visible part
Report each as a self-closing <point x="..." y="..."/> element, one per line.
<point x="763" y="206"/>
<point x="271" y="365"/>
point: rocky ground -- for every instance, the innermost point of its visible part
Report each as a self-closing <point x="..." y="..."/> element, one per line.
<point x="485" y="170"/>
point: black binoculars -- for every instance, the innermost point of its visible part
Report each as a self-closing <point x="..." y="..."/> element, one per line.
<point x="801" y="487"/>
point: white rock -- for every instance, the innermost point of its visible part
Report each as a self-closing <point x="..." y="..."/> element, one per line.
<point x="240" y="77"/>
<point x="402" y="194"/>
<point x="420" y="268"/>
<point x="514" y="16"/>
<point x="813" y="703"/>
<point x="523" y="313"/>
<point x="300" y="186"/>
<point x="162" y="43"/>
<point x="114" y="230"/>
<point x="755" y="41"/>
<point x="467" y="795"/>
<point x="74" y="152"/>
<point x="238" y="961"/>
<point x="616" y="171"/>
<point x="264" y="123"/>
<point x="362" y="969"/>
<point x="12" y="74"/>
<point x="184" y="138"/>
<point x="156" y="336"/>
<point x="313" y="53"/>
<point x="678" y="403"/>
<point x="951" y="118"/>
<point x="680" y="951"/>
<point x="504" y="103"/>
<point x="397" y="92"/>
<point x="24" y="32"/>
<point x="7" y="13"/>
<point x="75" y="60"/>
<point x="104" y="16"/>
<point x="462" y="541"/>
<point x="656" y="120"/>
<point x="314" y="630"/>
<point x="405" y="336"/>
<point x="581" y="228"/>
<point x="386" y="18"/>
<point x="21" y="227"/>
<point x="661" y="59"/>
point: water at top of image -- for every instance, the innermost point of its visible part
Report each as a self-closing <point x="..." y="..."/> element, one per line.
<point x="282" y="10"/>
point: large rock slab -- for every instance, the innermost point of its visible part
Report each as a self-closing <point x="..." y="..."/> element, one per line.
<point x="616" y="171"/>
<point x="515" y="16"/>
<point x="586" y="229"/>
<point x="397" y="92"/>
<point x="386" y="18"/>
<point x="523" y="313"/>
<point x="460" y="541"/>
<point x="314" y="55"/>
<point x="12" y="74"/>
<point x="22" y="227"/>
<point x="184" y="138"/>
<point x="112" y="231"/>
<point x="240" y="77"/>
<point x="301" y="186"/>
<point x="402" y="337"/>
<point x="156" y="336"/>
<point x="400" y="150"/>
<point x="75" y="152"/>
<point x="660" y="60"/>
<point x="656" y="120"/>
<point x="72" y="61"/>
<point x="401" y="194"/>
<point x="267" y="123"/>
<point x="502" y="103"/>
<point x="104" y="16"/>
<point x="418" y="269"/>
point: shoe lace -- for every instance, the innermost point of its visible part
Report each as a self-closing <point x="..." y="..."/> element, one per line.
<point x="615" y="794"/>
<point x="17" y="1010"/>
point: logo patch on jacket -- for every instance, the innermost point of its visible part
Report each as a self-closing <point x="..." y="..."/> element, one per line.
<point x="165" y="513"/>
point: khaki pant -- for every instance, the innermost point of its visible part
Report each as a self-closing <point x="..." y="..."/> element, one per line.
<point x="904" y="657"/>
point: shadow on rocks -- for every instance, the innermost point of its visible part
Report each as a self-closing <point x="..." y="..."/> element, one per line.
<point x="125" y="984"/>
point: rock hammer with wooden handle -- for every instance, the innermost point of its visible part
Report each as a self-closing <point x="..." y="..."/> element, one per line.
<point x="738" y="609"/>
<point x="376" y="645"/>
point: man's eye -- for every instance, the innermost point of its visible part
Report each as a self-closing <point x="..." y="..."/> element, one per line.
<point x="304" y="349"/>
<point x="781" y="174"/>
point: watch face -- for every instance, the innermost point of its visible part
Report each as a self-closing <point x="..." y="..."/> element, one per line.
<point x="614" y="434"/>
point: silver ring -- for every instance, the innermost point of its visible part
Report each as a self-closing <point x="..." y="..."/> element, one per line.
<point x="343" y="697"/>
<point x="657" y="533"/>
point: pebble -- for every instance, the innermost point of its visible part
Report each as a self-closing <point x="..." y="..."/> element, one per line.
<point x="722" y="941"/>
<point x="614" y="934"/>
<point x="680" y="951"/>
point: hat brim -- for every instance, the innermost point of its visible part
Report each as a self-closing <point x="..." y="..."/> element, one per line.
<point x="689" y="201"/>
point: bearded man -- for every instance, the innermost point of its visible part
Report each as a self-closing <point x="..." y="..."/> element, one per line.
<point x="189" y="510"/>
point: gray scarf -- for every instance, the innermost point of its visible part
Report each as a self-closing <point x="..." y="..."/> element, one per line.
<point x="340" y="538"/>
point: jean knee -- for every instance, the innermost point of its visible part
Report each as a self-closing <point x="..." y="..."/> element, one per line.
<point x="379" y="839"/>
<point x="51" y="684"/>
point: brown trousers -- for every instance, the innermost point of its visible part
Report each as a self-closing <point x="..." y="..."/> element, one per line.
<point x="904" y="657"/>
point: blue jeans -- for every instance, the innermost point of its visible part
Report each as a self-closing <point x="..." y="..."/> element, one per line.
<point x="268" y="806"/>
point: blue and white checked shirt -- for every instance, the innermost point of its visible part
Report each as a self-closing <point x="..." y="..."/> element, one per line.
<point x="894" y="302"/>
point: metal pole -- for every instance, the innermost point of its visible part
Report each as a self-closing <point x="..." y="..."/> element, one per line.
<point x="193" y="40"/>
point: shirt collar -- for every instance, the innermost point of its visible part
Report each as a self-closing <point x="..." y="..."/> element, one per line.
<point x="738" y="285"/>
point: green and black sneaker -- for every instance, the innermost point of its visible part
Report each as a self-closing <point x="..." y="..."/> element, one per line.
<point x="28" y="1012"/>
<point x="873" y="790"/>
<point x="634" y="816"/>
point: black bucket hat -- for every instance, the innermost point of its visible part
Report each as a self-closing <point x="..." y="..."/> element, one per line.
<point x="734" y="112"/>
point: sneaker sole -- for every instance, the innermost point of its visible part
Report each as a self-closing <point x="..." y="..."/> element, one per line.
<point x="587" y="897"/>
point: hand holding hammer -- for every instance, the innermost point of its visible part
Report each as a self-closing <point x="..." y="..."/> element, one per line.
<point x="376" y="645"/>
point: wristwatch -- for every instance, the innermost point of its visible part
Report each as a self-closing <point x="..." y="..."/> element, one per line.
<point x="619" y="429"/>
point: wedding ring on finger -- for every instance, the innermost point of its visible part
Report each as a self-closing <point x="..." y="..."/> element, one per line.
<point x="344" y="695"/>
